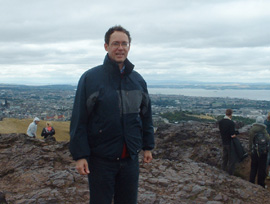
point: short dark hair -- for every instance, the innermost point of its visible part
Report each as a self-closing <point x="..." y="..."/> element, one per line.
<point x="112" y="30"/>
<point x="229" y="112"/>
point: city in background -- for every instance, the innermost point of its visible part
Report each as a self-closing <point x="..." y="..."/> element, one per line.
<point x="55" y="103"/>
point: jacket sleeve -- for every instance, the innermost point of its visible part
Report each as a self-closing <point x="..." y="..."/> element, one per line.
<point x="147" y="123"/>
<point x="43" y="133"/>
<point x="53" y="131"/>
<point x="267" y="135"/>
<point x="31" y="131"/>
<point x="79" y="147"/>
<point x="232" y="130"/>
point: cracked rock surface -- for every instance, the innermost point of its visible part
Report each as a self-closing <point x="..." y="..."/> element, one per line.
<point x="185" y="169"/>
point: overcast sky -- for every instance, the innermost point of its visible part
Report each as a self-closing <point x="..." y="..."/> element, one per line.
<point x="55" y="41"/>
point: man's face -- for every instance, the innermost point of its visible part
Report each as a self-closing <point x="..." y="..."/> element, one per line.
<point x="118" y="47"/>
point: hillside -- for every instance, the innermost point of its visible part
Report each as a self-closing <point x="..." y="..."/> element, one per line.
<point x="185" y="169"/>
<point x="12" y="125"/>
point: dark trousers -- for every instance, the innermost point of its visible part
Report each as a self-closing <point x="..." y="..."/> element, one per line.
<point x="116" y="180"/>
<point x="258" y="165"/>
<point x="228" y="160"/>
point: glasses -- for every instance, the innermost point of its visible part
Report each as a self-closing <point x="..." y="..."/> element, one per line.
<point x="117" y="44"/>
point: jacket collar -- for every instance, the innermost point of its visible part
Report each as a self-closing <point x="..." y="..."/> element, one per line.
<point x="113" y="67"/>
<point x="259" y="124"/>
<point x="227" y="117"/>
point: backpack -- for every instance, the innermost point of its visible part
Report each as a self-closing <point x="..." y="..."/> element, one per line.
<point x="260" y="143"/>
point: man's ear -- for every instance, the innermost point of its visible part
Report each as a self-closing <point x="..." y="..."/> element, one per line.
<point x="106" y="46"/>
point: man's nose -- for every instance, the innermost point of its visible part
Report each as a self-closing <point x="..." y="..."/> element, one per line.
<point x="120" y="46"/>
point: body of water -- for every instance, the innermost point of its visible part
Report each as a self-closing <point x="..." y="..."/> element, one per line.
<point x="231" y="93"/>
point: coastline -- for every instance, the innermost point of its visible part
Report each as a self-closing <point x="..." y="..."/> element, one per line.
<point x="248" y="94"/>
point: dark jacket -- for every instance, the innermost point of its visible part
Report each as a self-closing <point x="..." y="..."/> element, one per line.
<point x="110" y="110"/>
<point x="267" y="123"/>
<point x="45" y="133"/>
<point x="227" y="129"/>
<point x="237" y="150"/>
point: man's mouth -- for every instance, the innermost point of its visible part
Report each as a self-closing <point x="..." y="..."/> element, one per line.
<point x="120" y="54"/>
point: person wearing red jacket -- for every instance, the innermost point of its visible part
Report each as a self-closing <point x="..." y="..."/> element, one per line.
<point x="48" y="131"/>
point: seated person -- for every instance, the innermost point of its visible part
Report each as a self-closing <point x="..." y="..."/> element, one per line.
<point x="48" y="131"/>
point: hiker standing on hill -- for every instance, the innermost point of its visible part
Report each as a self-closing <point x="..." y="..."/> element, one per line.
<point x="32" y="128"/>
<point x="227" y="131"/>
<point x="111" y="122"/>
<point x="267" y="123"/>
<point x="258" y="146"/>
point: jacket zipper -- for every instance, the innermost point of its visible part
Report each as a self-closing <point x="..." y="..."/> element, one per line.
<point x="122" y="112"/>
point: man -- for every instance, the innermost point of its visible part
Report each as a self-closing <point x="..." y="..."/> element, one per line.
<point x="32" y="128"/>
<point x="258" y="147"/>
<point x="111" y="122"/>
<point x="267" y="123"/>
<point x="227" y="131"/>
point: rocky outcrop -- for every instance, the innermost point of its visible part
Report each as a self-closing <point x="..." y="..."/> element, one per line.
<point x="34" y="171"/>
<point x="185" y="169"/>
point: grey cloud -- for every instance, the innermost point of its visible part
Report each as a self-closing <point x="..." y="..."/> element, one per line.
<point x="185" y="40"/>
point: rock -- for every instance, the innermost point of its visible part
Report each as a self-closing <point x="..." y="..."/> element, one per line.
<point x="185" y="169"/>
<point x="35" y="171"/>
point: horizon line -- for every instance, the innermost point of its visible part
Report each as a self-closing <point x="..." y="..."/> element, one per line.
<point x="153" y="83"/>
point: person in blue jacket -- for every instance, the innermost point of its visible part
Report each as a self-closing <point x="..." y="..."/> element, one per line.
<point x="111" y="123"/>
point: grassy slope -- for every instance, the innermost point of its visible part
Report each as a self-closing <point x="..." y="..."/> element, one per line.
<point x="206" y="117"/>
<point x="11" y="125"/>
